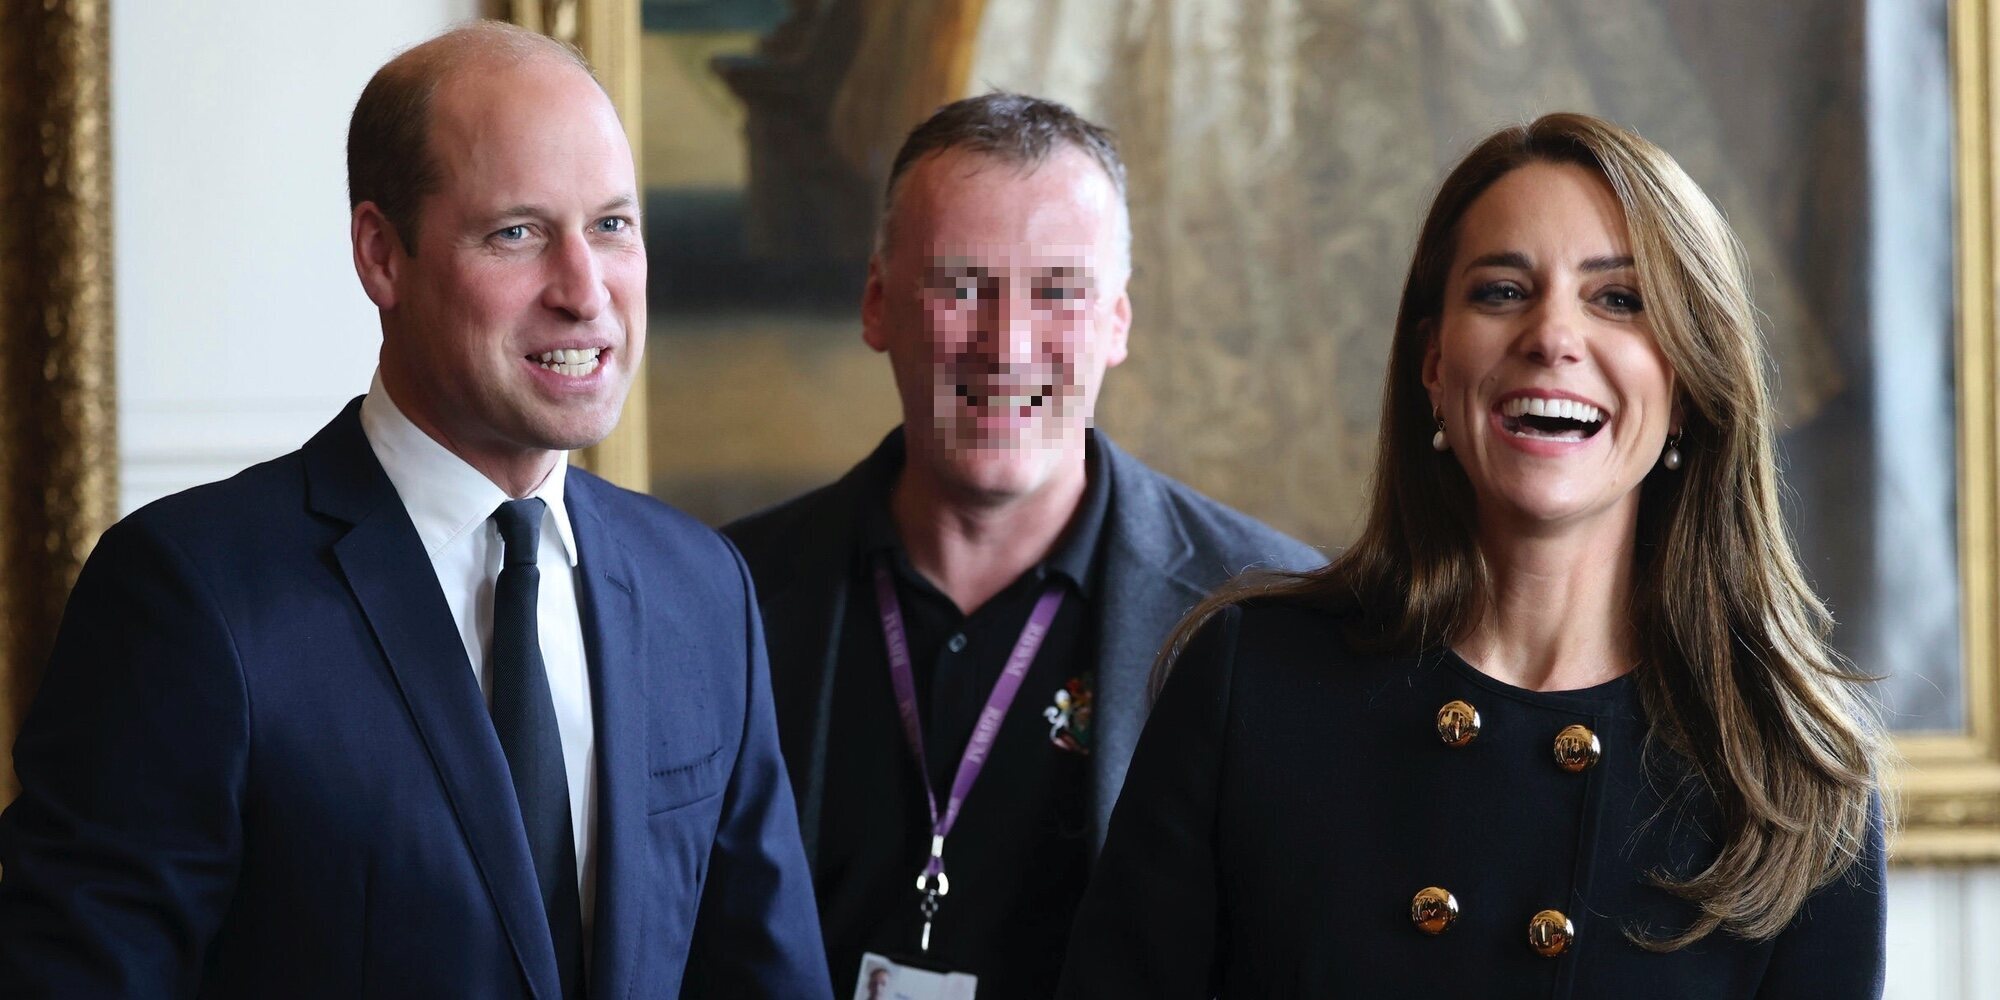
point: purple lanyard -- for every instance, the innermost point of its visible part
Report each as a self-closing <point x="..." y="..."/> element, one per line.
<point x="988" y="727"/>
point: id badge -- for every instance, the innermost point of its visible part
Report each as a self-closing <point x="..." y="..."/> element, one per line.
<point x="884" y="978"/>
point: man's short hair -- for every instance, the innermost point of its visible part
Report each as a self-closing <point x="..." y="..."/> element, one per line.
<point x="1013" y="128"/>
<point x="389" y="159"/>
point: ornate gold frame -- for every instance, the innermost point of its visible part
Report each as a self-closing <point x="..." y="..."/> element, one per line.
<point x="1948" y="785"/>
<point x="58" y="423"/>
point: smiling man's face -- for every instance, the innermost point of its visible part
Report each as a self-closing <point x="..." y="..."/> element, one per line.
<point x="999" y="295"/>
<point x="517" y="325"/>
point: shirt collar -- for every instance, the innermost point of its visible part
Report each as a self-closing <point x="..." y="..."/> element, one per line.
<point x="445" y="497"/>
<point x="1074" y="551"/>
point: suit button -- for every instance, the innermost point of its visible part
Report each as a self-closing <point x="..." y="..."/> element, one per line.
<point x="1549" y="933"/>
<point x="1457" y="723"/>
<point x="1433" y="910"/>
<point x="1577" y="748"/>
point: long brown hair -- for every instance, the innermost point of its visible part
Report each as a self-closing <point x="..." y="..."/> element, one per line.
<point x="1735" y="671"/>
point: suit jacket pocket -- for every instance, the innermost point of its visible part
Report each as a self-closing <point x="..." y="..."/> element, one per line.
<point x="678" y="783"/>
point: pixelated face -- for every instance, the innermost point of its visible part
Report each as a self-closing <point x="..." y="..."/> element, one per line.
<point x="1555" y="396"/>
<point x="520" y="320"/>
<point x="999" y="296"/>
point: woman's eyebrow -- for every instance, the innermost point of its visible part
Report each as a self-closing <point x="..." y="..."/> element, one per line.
<point x="1511" y="258"/>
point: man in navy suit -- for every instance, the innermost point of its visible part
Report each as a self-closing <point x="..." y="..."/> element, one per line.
<point x="418" y="710"/>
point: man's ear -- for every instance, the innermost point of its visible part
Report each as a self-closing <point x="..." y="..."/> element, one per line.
<point x="378" y="253"/>
<point x="873" y="302"/>
<point x="1121" y="328"/>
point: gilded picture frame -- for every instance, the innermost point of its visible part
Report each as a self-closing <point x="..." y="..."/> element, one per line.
<point x="1948" y="784"/>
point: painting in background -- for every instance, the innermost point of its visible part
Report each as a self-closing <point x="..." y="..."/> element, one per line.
<point x="1281" y="153"/>
<point x="759" y="386"/>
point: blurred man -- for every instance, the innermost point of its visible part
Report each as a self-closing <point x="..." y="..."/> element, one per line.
<point x="969" y="616"/>
<point x="418" y="710"/>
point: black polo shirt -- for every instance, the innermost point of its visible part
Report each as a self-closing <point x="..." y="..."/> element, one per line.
<point x="1019" y="853"/>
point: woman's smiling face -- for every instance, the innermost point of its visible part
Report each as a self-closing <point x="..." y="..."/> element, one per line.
<point x="1555" y="397"/>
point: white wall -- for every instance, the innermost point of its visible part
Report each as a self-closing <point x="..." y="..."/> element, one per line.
<point x="1944" y="933"/>
<point x="241" y="328"/>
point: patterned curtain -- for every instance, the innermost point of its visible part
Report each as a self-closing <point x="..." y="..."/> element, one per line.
<point x="58" y="461"/>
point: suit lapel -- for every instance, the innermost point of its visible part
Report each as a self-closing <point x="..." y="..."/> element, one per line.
<point x="385" y="567"/>
<point x="1144" y="595"/>
<point x="620" y="691"/>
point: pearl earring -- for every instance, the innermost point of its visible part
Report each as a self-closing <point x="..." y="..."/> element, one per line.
<point x="1672" y="458"/>
<point x="1438" y="443"/>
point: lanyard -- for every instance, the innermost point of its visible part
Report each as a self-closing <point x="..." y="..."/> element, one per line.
<point x="932" y="880"/>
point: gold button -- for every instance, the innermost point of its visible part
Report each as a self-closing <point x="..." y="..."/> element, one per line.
<point x="1577" y="748"/>
<point x="1433" y="910"/>
<point x="1458" y="723"/>
<point x="1549" y="933"/>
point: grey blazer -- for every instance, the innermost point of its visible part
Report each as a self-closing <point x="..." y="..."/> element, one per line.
<point x="1164" y="547"/>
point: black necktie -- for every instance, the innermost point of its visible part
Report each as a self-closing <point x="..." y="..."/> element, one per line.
<point x="525" y="718"/>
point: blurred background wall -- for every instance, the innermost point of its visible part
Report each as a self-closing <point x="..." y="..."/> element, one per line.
<point x="241" y="328"/>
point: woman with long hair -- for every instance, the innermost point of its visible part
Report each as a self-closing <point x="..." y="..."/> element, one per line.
<point x="1563" y="721"/>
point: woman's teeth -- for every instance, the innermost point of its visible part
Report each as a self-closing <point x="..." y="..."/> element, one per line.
<point x="1565" y="409"/>
<point x="1552" y="419"/>
<point x="573" y="362"/>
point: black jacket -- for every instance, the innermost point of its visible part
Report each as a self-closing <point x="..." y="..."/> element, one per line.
<point x="1289" y="799"/>
<point x="1164" y="547"/>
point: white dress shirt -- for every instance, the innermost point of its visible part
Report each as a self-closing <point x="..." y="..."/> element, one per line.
<point x="450" y="503"/>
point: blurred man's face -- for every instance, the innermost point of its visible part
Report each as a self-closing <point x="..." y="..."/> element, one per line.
<point x="517" y="325"/>
<point x="999" y="296"/>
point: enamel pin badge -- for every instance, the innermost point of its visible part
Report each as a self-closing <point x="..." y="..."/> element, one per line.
<point x="1069" y="716"/>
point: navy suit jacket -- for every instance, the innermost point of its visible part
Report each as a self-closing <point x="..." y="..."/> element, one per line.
<point x="260" y="764"/>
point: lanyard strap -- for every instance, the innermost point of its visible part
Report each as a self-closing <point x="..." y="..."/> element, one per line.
<point x="986" y="730"/>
